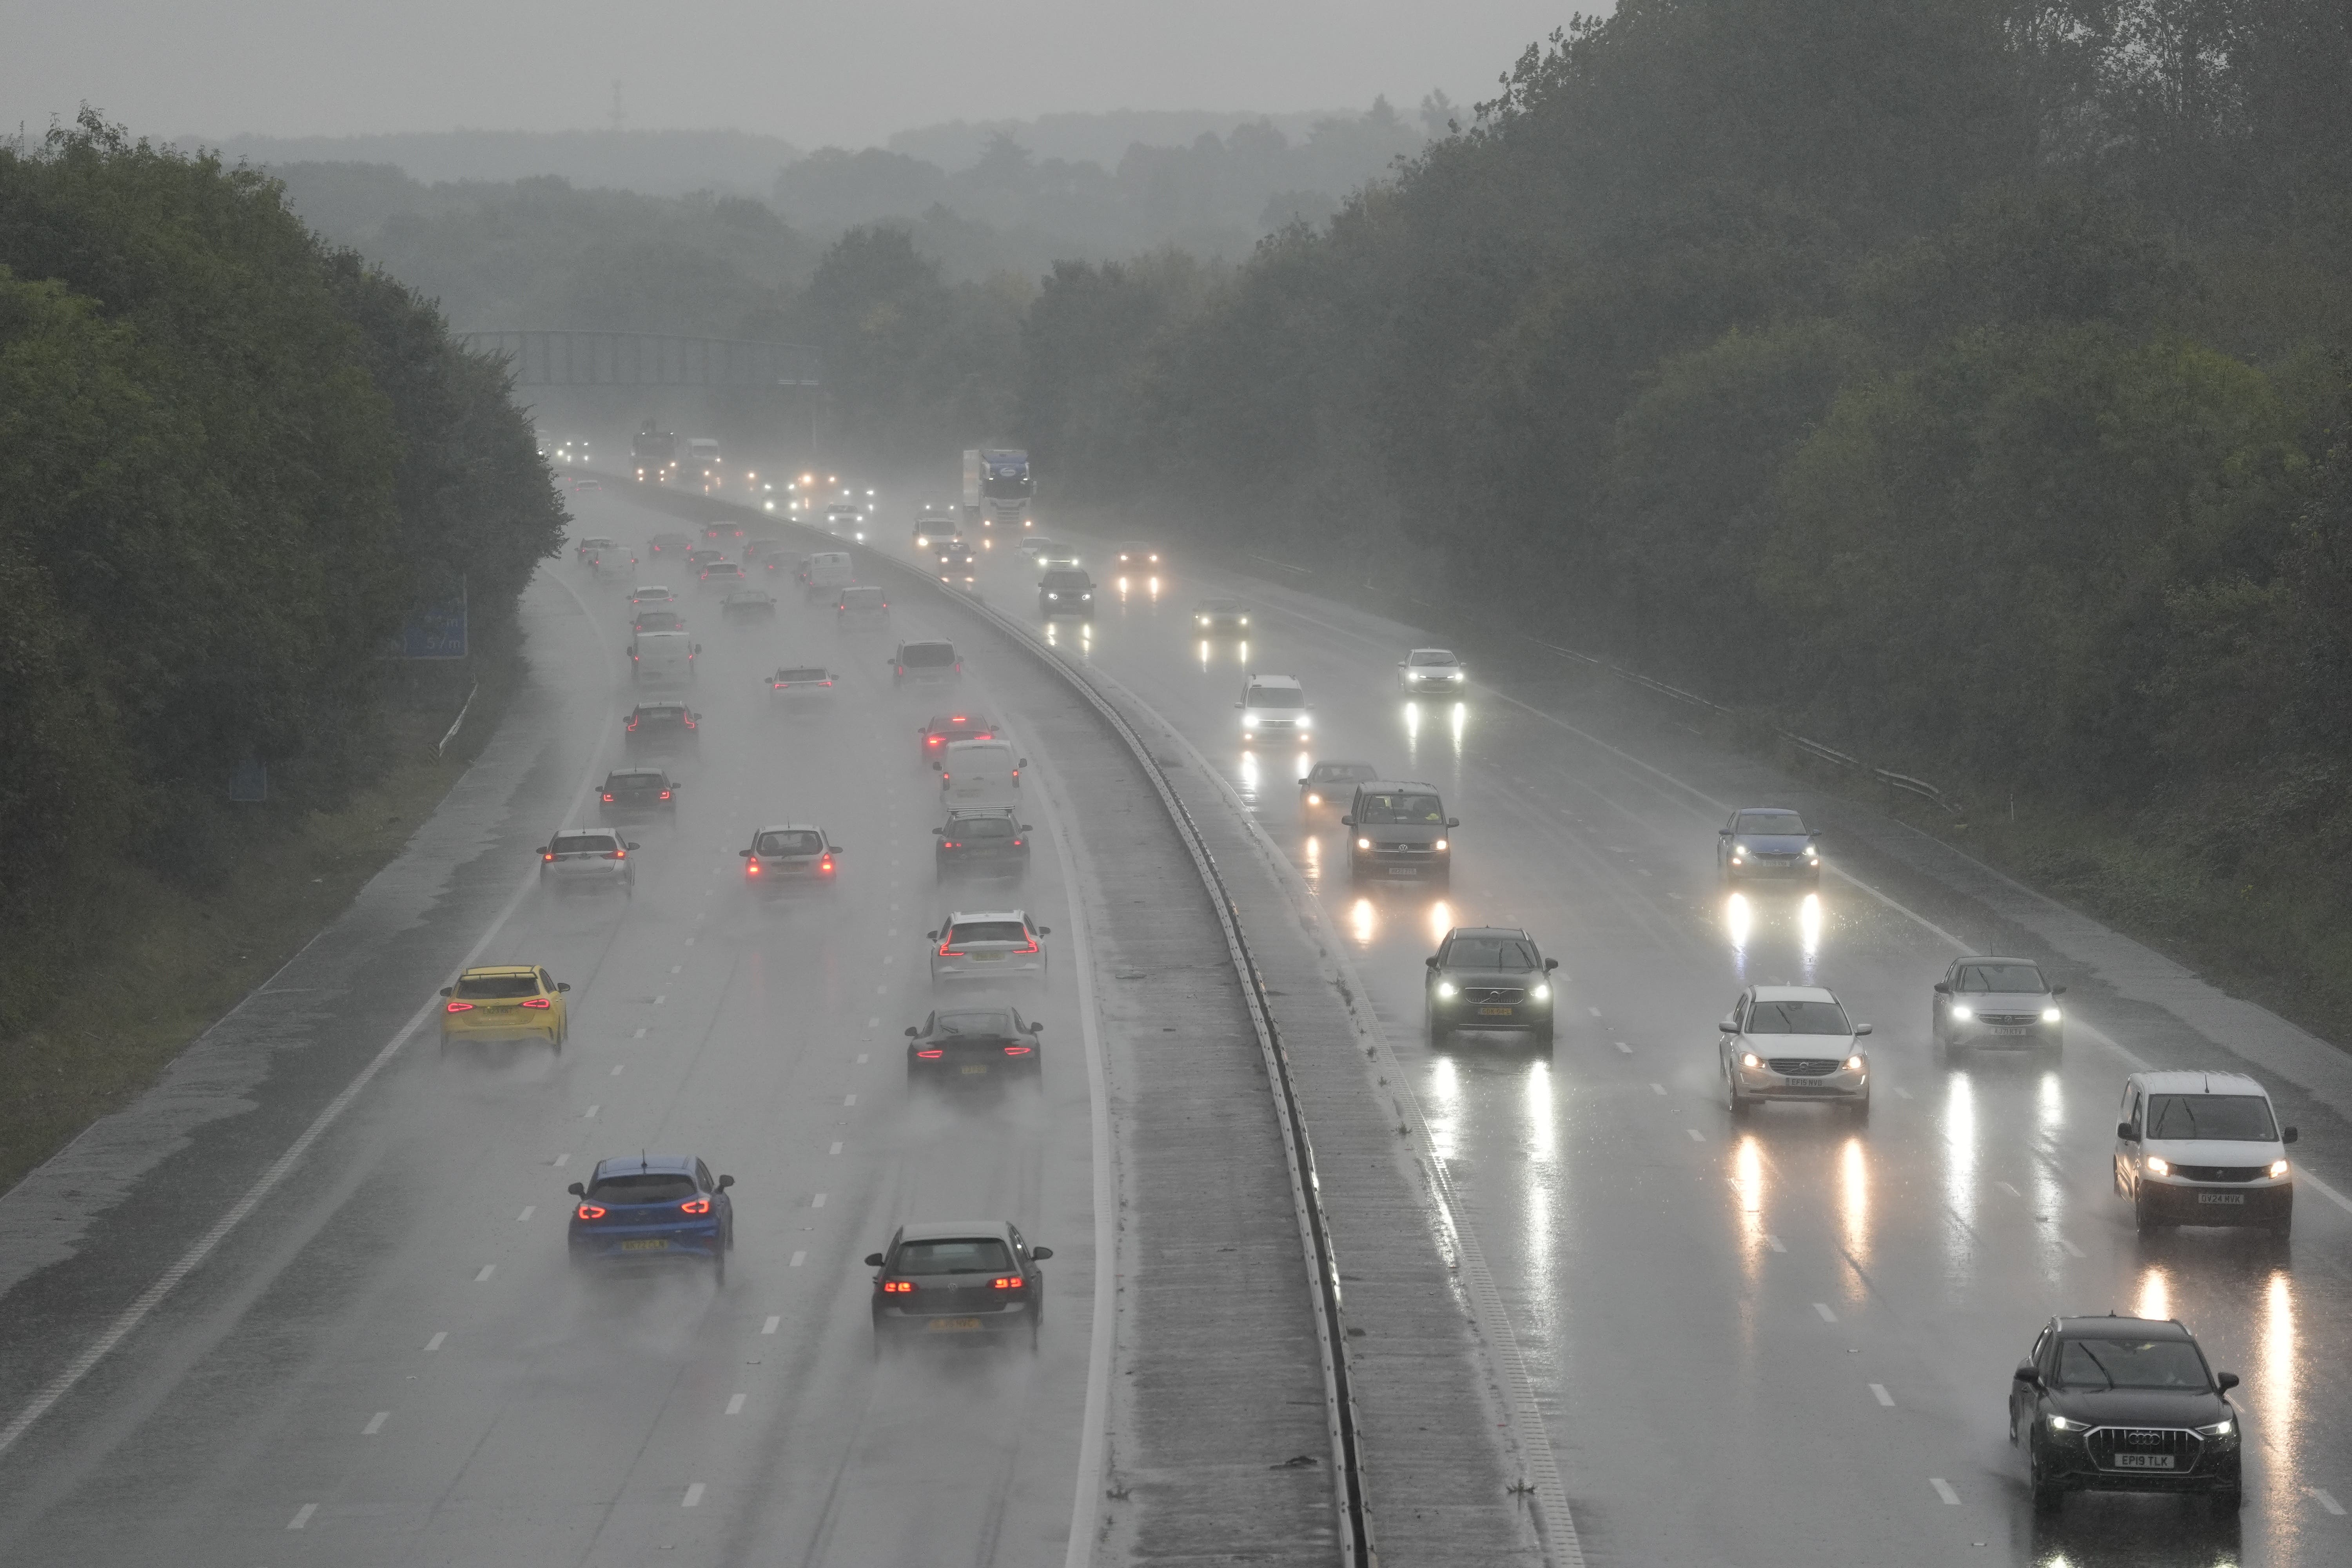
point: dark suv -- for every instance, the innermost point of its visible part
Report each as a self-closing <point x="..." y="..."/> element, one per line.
<point x="1489" y="977"/>
<point x="2125" y="1405"/>
<point x="1400" y="829"/>
<point x="630" y="791"/>
<point x="663" y="726"/>
<point x="925" y="661"/>
<point x="1067" y="591"/>
<point x="985" y="841"/>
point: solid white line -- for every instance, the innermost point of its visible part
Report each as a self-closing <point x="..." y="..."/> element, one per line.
<point x="1823" y="1309"/>
<point x="693" y="1496"/>
<point x="817" y="1202"/>
<point x="2005" y="1188"/>
<point x="528" y="1210"/>
<point x="798" y="1257"/>
<point x="376" y="1423"/>
<point x="735" y="1406"/>
<point x="1774" y="1243"/>
<point x="437" y="1340"/>
<point x="1878" y="1391"/>
<point x="770" y="1326"/>
<point x="2321" y="1496"/>
<point x="1944" y="1490"/>
<point x="301" y="1520"/>
<point x="487" y="1269"/>
<point x="2330" y="1194"/>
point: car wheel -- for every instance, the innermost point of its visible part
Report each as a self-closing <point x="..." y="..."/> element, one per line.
<point x="1859" y="1110"/>
<point x="1544" y="1037"/>
<point x="1035" y="1326"/>
<point x="2144" y="1217"/>
<point x="1440" y="1036"/>
<point x="1733" y="1100"/>
<point x="2048" y="1495"/>
<point x="2226" y="1499"/>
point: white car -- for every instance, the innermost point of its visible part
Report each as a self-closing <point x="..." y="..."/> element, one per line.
<point x="1986" y="1001"/>
<point x="2203" y="1148"/>
<point x="1273" y="707"/>
<point x="589" y="859"/>
<point x="993" y="944"/>
<point x="1431" y="672"/>
<point x="1792" y="1042"/>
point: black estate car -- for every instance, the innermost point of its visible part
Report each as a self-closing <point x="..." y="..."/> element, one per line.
<point x="958" y="1279"/>
<point x="628" y="791"/>
<point x="2125" y="1405"/>
<point x="982" y="841"/>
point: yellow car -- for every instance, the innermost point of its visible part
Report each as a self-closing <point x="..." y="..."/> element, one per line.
<point x="505" y="1002"/>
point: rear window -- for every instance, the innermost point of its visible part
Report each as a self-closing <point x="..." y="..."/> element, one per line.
<point x="988" y="930"/>
<point x="993" y="1023"/>
<point x="659" y="621"/>
<point x="927" y="655"/>
<point x="635" y="780"/>
<point x="861" y="599"/>
<point x="498" y="987"/>
<point x="2238" y="1118"/>
<point x="1276" y="697"/>
<point x="584" y="844"/>
<point x="643" y="1187"/>
<point x="983" y="827"/>
<point x="1490" y="952"/>
<point x="1384" y="810"/>
<point x="662" y="715"/>
<point x="794" y="842"/>
<point x="808" y="673"/>
<point x="984" y="1255"/>
<point x="1798" y="1018"/>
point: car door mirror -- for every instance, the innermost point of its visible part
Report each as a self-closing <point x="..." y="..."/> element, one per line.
<point x="1036" y="1029"/>
<point x="931" y="936"/>
<point x="446" y="990"/>
<point x="938" y="833"/>
<point x="1044" y="931"/>
<point x="1723" y="833"/>
<point x="698" y="647"/>
<point x="1551" y="964"/>
<point x="1943" y="987"/>
<point x="1430" y="961"/>
<point x="835" y="850"/>
<point x="674" y="786"/>
<point x="2288" y="1135"/>
<point x="2029" y="1374"/>
<point x="1041" y="1253"/>
<point x="561" y="985"/>
<point x="874" y="1260"/>
<point x="1026" y="829"/>
<point x="1022" y="763"/>
<point x="542" y="849"/>
<point x="724" y="1182"/>
<point x="1861" y="1029"/>
<point x="2124" y="1132"/>
<point x="1453" y="822"/>
<point x="2057" y="991"/>
<point x="743" y="854"/>
<point x="627" y="845"/>
<point x="2225" y="1380"/>
<point x="576" y="1190"/>
<point x="1728" y="1024"/>
<point x="1236" y="704"/>
<point x="1347" y="822"/>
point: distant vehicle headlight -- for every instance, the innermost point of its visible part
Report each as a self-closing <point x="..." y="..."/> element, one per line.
<point x="1454" y="675"/>
<point x="2050" y="1015"/>
<point x="1446" y="988"/>
<point x="1541" y="993"/>
<point x="1962" y="1012"/>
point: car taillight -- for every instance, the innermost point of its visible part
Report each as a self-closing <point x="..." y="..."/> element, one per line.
<point x="665" y="795"/>
<point x="608" y="800"/>
<point x="950" y="844"/>
<point x="897" y="1286"/>
<point x="1016" y="844"/>
<point x="538" y="1002"/>
<point x="591" y="1211"/>
<point x="1032" y="947"/>
<point x="1010" y="1282"/>
<point x="1016" y="1051"/>
<point x="935" y="740"/>
<point x="616" y="854"/>
<point x="947" y="951"/>
<point x="632" y="721"/>
<point x="930" y="1056"/>
<point x="550" y="856"/>
<point x="461" y="1006"/>
<point x="695" y="1205"/>
<point x="824" y="866"/>
<point x="689" y="724"/>
<point x="751" y="867"/>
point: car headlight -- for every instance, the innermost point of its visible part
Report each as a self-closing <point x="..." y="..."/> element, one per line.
<point x="2157" y="1166"/>
<point x="1315" y="800"/>
<point x="1363" y="844"/>
<point x="1439" y="845"/>
<point x="1750" y="1059"/>
<point x="1455" y="675"/>
<point x="2059" y="1424"/>
<point x="1541" y="993"/>
<point x="2218" y="1430"/>
<point x="1854" y="1063"/>
<point x="1305" y="721"/>
<point x="1962" y="1013"/>
<point x="2050" y="1015"/>
<point x="1446" y="988"/>
<point x="1737" y="859"/>
<point x="2278" y="1168"/>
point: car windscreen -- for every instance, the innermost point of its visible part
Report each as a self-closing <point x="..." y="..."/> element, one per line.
<point x="583" y="843"/>
<point x="1798" y="1018"/>
<point x="1430" y="656"/>
<point x="981" y="827"/>
<point x="643" y="1187"/>
<point x="927" y="655"/>
<point x="497" y="987"/>
<point x="1276" y="697"/>
<point x="2005" y="977"/>
<point x="986" y="931"/>
<point x="995" y="1023"/>
<point x="983" y="1255"/>
<point x="799" y="841"/>
<point x="661" y="715"/>
<point x="1067" y="582"/>
<point x="1490" y="952"/>
<point x="2131" y="1364"/>
<point x="2239" y="1118"/>
<point x="1220" y="607"/>
<point x="1383" y="810"/>
<point x="1772" y="824"/>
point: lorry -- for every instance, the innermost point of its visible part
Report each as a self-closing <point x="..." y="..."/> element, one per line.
<point x="998" y="492"/>
<point x="654" y="455"/>
<point x="704" y="464"/>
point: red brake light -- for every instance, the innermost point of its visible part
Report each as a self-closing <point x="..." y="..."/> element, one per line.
<point x="958" y="719"/>
<point x="665" y="795"/>
<point x="689" y="724"/>
<point x="616" y="854"/>
<point x="935" y="740"/>
<point x="825" y="865"/>
<point x="751" y="867"/>
<point x="538" y="1002"/>
<point x="1010" y="1282"/>
<point x="1032" y="947"/>
<point x="550" y="856"/>
<point x="897" y="1286"/>
<point x="947" y="948"/>
<point x="1016" y="844"/>
<point x="608" y="797"/>
<point x="633" y="720"/>
<point x="591" y="1211"/>
<point x="1016" y="1051"/>
<point x="951" y="844"/>
<point x="461" y="1006"/>
<point x="930" y="1056"/>
<point x="695" y="1205"/>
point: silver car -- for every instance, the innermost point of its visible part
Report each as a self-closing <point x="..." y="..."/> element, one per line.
<point x="1997" y="1002"/>
<point x="995" y="944"/>
<point x="587" y="857"/>
<point x="1431" y="672"/>
<point x="1792" y="1042"/>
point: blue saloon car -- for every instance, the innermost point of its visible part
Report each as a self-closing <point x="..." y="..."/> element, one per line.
<point x="653" y="1210"/>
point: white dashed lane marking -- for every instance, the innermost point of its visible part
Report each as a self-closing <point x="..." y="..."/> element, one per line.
<point x="301" y="1520"/>
<point x="817" y="1202"/>
<point x="798" y="1259"/>
<point x="437" y="1340"/>
<point x="376" y="1423"/>
<point x="1657" y="1089"/>
<point x="770" y="1326"/>
<point x="2321" y="1496"/>
<point x="1621" y="1046"/>
<point x="1878" y="1391"/>
<point x="1944" y="1490"/>
<point x="1696" y="1135"/>
<point x="693" y="1496"/>
<point x="1774" y="1243"/>
<point x="1823" y="1309"/>
<point x="849" y="1099"/>
<point x="488" y="1269"/>
<point x="835" y="1150"/>
<point x="528" y="1210"/>
<point x="735" y="1406"/>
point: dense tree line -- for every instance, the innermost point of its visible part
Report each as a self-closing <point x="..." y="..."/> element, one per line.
<point x="231" y="463"/>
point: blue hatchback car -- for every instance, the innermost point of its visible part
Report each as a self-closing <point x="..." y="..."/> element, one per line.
<point x="653" y="1209"/>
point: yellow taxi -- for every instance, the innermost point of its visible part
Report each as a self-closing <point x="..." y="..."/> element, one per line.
<point x="505" y="1002"/>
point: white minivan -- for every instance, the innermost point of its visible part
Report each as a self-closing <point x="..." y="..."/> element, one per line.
<point x="661" y="657"/>
<point x="980" y="772"/>
<point x="2203" y="1148"/>
<point x="829" y="572"/>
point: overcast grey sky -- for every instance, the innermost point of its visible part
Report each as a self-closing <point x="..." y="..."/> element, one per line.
<point x="849" y="72"/>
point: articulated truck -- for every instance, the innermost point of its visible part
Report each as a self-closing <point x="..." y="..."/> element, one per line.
<point x="997" y="490"/>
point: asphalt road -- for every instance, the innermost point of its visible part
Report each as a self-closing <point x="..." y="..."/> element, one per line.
<point x="392" y="1362"/>
<point x="1787" y="1342"/>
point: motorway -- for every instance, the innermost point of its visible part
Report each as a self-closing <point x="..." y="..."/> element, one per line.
<point x="1789" y="1341"/>
<point x="392" y="1362"/>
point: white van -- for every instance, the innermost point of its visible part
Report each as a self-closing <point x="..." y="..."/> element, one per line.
<point x="2203" y="1148"/>
<point x="980" y="772"/>
<point x="657" y="658"/>
<point x="829" y="572"/>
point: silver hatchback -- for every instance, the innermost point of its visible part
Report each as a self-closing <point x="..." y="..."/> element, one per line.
<point x="998" y="944"/>
<point x="590" y="859"/>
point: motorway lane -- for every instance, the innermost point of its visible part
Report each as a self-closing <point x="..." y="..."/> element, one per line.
<point x="1789" y="1342"/>
<point x="406" y="1370"/>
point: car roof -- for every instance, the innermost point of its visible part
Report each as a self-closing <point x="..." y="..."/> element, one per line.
<point x="638" y="774"/>
<point x="1519" y="932"/>
<point x="1448" y="652"/>
<point x="597" y="828"/>
<point x="952" y="1229"/>
<point x="666" y="705"/>
<point x="1272" y="680"/>
<point x="928" y="642"/>
<point x="1392" y="786"/>
<point x="967" y="812"/>
<point x="2198" y="1083"/>
<point x="787" y="827"/>
<point x="487" y="969"/>
<point x="1791" y="810"/>
<point x="988" y="915"/>
<point x="1994" y="958"/>
<point x="636" y="1164"/>
<point x="956" y="718"/>
<point x="1795" y="994"/>
<point x="2142" y="1328"/>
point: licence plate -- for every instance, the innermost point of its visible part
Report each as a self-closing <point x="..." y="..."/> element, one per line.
<point x="655" y="1245"/>
<point x="2220" y="1197"/>
<point x="976" y="1071"/>
<point x="986" y="957"/>
<point x="1494" y="1012"/>
<point x="1404" y="871"/>
<point x="2143" y="1461"/>
<point x="952" y="1326"/>
<point x="2012" y="1029"/>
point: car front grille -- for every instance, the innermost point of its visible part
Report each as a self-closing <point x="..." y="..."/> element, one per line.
<point x="1403" y="848"/>
<point x="1806" y="1067"/>
<point x="2009" y="1020"/>
<point x="2105" y="1442"/>
<point x="1501" y="996"/>
<point x="2219" y="1173"/>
